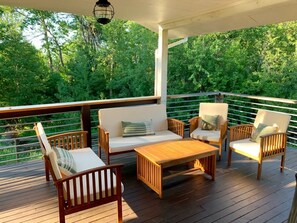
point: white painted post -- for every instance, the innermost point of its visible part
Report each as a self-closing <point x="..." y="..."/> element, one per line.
<point x="161" y="61"/>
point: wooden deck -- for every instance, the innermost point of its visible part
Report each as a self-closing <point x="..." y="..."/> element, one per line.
<point x="235" y="196"/>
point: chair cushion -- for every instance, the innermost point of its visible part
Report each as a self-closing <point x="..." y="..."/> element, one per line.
<point x="137" y="128"/>
<point x="65" y="160"/>
<point x="53" y="159"/>
<point x="206" y="135"/>
<point x="261" y="130"/>
<point x="209" y="122"/>
<point x="86" y="159"/>
<point x="120" y="144"/>
<point x="81" y="155"/>
<point x="246" y="147"/>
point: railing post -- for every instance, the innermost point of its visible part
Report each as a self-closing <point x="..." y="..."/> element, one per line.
<point x="219" y="98"/>
<point x="86" y="123"/>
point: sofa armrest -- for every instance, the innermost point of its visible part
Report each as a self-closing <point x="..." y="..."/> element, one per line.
<point x="194" y="122"/>
<point x="89" y="188"/>
<point x="176" y="126"/>
<point x="241" y="132"/>
<point x="103" y="138"/>
<point x="273" y="144"/>
<point x="69" y="140"/>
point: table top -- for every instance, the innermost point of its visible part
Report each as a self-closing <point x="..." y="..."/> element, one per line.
<point x="175" y="152"/>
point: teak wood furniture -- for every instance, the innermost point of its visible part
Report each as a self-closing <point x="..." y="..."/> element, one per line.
<point x="110" y="129"/>
<point x="94" y="183"/>
<point x="153" y="159"/>
<point x="270" y="145"/>
<point x="214" y="137"/>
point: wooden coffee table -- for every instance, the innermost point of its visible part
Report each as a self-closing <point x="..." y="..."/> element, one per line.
<point x="152" y="159"/>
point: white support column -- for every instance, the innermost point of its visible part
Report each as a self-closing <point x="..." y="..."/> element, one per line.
<point x="161" y="63"/>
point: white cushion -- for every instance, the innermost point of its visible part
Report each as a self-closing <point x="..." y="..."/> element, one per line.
<point x="43" y="139"/>
<point x="246" y="146"/>
<point x="273" y="118"/>
<point x="220" y="109"/>
<point x="97" y="187"/>
<point x="119" y="144"/>
<point x="111" y="118"/>
<point x="54" y="163"/>
<point x="86" y="159"/>
<point x="206" y="135"/>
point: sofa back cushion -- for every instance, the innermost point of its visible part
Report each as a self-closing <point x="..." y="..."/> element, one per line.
<point x="272" y="118"/>
<point x="111" y="118"/>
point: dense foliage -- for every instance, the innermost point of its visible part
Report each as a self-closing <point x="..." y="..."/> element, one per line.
<point x="80" y="60"/>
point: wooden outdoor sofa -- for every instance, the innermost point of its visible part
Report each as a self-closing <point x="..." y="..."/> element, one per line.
<point x="110" y="129"/>
<point x="94" y="183"/>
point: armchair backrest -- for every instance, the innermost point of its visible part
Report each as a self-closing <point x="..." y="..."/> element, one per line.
<point x="220" y="109"/>
<point x="271" y="118"/>
<point x="44" y="144"/>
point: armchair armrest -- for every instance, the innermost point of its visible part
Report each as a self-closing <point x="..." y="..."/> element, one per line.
<point x="103" y="138"/>
<point x="194" y="122"/>
<point x="223" y="130"/>
<point x="69" y="140"/>
<point x="176" y="126"/>
<point x="241" y="132"/>
<point x="273" y="144"/>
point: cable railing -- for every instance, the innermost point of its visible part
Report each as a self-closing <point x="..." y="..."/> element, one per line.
<point x="18" y="142"/>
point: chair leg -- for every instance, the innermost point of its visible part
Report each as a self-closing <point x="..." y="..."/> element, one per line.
<point x="282" y="167"/>
<point x="99" y="151"/>
<point x="225" y="144"/>
<point x="120" y="211"/>
<point x="108" y="158"/>
<point x="229" y="156"/>
<point x="46" y="167"/>
<point x="220" y="152"/>
<point x="259" y="170"/>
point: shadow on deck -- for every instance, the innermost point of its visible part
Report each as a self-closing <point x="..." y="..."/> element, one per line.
<point x="235" y="196"/>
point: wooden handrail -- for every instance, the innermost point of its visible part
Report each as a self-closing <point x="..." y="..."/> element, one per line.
<point x="83" y="107"/>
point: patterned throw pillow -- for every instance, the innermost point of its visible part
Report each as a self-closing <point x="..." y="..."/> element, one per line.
<point x="261" y="130"/>
<point x="137" y="128"/>
<point x="65" y="160"/>
<point x="209" y="122"/>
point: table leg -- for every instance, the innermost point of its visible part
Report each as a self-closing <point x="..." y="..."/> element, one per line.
<point x="150" y="173"/>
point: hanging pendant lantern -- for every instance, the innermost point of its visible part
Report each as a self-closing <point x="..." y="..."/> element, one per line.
<point x="103" y="11"/>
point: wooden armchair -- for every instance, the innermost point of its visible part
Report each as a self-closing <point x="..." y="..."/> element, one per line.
<point x="270" y="144"/>
<point x="92" y="185"/>
<point x="217" y="136"/>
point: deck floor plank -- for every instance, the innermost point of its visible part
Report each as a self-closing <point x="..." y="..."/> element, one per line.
<point x="235" y="196"/>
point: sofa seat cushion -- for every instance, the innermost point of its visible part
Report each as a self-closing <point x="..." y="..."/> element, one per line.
<point x="86" y="159"/>
<point x="246" y="147"/>
<point x="120" y="144"/>
<point x="206" y="135"/>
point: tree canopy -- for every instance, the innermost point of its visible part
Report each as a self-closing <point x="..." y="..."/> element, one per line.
<point x="78" y="59"/>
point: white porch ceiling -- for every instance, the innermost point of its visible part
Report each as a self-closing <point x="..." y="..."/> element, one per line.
<point x="181" y="17"/>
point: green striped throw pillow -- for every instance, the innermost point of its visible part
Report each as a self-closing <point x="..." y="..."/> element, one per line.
<point x="137" y="128"/>
<point x="65" y="159"/>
